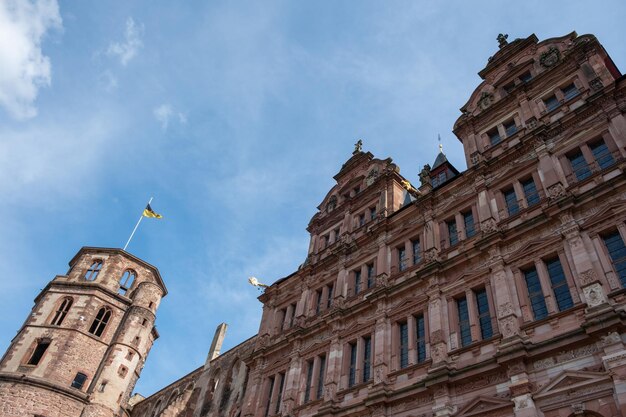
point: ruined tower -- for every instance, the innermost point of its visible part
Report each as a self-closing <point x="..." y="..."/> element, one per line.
<point x="82" y="348"/>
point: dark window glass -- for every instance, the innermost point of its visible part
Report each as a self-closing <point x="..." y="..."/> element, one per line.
<point x="329" y="302"/>
<point x="535" y="294"/>
<point x="309" y="381"/>
<point x="452" y="233"/>
<point x="559" y="284"/>
<point x="579" y="165"/>
<point x="361" y="220"/>
<point x="367" y="358"/>
<point x="510" y="128"/>
<point x="401" y="258"/>
<point x="484" y="318"/>
<point x="352" y="371"/>
<point x="404" y="345"/>
<point x="511" y="202"/>
<point x="617" y="252"/>
<point x="464" y="324"/>
<point x="372" y="213"/>
<point x="494" y="137"/>
<point x="468" y="221"/>
<point x="93" y="271"/>
<point x="293" y="315"/>
<point x="420" y="334"/>
<point x="79" y="380"/>
<point x="551" y="103"/>
<point x="40" y="349"/>
<point x="371" y="275"/>
<point x="417" y="252"/>
<point x="126" y="281"/>
<point x="530" y="192"/>
<point x="100" y="322"/>
<point x="60" y="314"/>
<point x="601" y="154"/>
<point x="525" y="77"/>
<point x="570" y="91"/>
<point x="509" y="87"/>
<point x="318" y="301"/>
<point x="269" y="397"/>
<point x="357" y="282"/>
<point x="337" y="233"/>
<point x="320" y="377"/>
<point x="279" y="399"/>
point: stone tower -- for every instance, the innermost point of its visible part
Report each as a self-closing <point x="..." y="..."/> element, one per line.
<point x="82" y="348"/>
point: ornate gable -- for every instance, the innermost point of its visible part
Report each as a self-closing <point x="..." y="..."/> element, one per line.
<point x="614" y="210"/>
<point x="574" y="386"/>
<point x="486" y="406"/>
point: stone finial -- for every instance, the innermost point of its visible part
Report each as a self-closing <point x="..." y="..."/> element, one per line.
<point x="358" y="147"/>
<point x="502" y="40"/>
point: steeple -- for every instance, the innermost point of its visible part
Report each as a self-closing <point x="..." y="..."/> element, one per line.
<point x="442" y="169"/>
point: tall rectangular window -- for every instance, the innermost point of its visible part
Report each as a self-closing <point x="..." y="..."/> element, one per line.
<point x="420" y="335"/>
<point x="601" y="154"/>
<point x="367" y="358"/>
<point x="269" y="396"/>
<point x="329" y="301"/>
<point x="530" y="192"/>
<point x="361" y="219"/>
<point x="357" y="282"/>
<point x="535" y="294"/>
<point x="464" y="324"/>
<point x="318" y="301"/>
<point x="403" y="329"/>
<point x="40" y="349"/>
<point x="279" y="399"/>
<point x="579" y="165"/>
<point x="372" y="213"/>
<point x="417" y="251"/>
<point x="293" y="314"/>
<point x="510" y="200"/>
<point x="510" y="128"/>
<point x="79" y="381"/>
<point x="468" y="221"/>
<point x="352" y="369"/>
<point x="401" y="258"/>
<point x="551" y="102"/>
<point x="570" y="91"/>
<point x="494" y="136"/>
<point x="484" y="318"/>
<point x="309" y="381"/>
<point x="320" y="377"/>
<point x="559" y="284"/>
<point x="617" y="252"/>
<point x="371" y="275"/>
<point x="452" y="233"/>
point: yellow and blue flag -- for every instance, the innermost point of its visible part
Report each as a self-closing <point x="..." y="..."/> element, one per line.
<point x="148" y="212"/>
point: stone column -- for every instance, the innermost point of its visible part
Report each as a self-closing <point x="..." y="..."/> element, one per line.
<point x="431" y="237"/>
<point x="382" y="335"/>
<point x="333" y="369"/>
<point x="486" y="219"/>
<point x="292" y="380"/>
<point x="435" y="316"/>
<point x="614" y="359"/>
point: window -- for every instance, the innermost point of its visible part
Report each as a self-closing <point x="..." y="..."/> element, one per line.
<point x="357" y="282"/>
<point x="94" y="270"/>
<point x="525" y="77"/>
<point x="122" y="371"/>
<point x="320" y="377"/>
<point x="352" y="370"/>
<point x="126" y="281"/>
<point x="337" y="233"/>
<point x="100" y="322"/>
<point x="464" y="324"/>
<point x="420" y="334"/>
<point x="510" y="128"/>
<point x="326" y="240"/>
<point x="617" y="252"/>
<point x="417" y="252"/>
<point x="509" y="87"/>
<point x="269" y="396"/>
<point x="309" y="381"/>
<point x="281" y="385"/>
<point x="79" y="380"/>
<point x="570" y="91"/>
<point x="484" y="318"/>
<point x="329" y="300"/>
<point x="361" y="219"/>
<point x="102" y="386"/>
<point x="468" y="221"/>
<point x="367" y="358"/>
<point x="510" y="199"/>
<point x="401" y="258"/>
<point x="372" y="213"/>
<point x="318" y="301"/>
<point x="559" y="284"/>
<point x="535" y="294"/>
<point x="38" y="352"/>
<point x="579" y="165"/>
<point x="129" y="355"/>
<point x="293" y="314"/>
<point x="453" y="236"/>
<point x="551" y="103"/>
<point x="61" y="312"/>
<point x="530" y="192"/>
<point x="404" y="344"/>
<point x="601" y="154"/>
<point x="494" y="136"/>
<point x="371" y="274"/>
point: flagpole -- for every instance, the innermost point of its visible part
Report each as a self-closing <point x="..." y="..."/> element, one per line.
<point x="136" y="226"/>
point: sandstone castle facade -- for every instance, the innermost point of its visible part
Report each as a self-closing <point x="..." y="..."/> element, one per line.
<point x="499" y="290"/>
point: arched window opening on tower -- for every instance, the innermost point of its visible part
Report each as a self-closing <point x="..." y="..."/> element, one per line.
<point x="94" y="270"/>
<point x="61" y="312"/>
<point x="100" y="322"/>
<point x="126" y="281"/>
<point x="38" y="352"/>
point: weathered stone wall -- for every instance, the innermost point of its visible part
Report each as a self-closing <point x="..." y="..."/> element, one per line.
<point x="23" y="400"/>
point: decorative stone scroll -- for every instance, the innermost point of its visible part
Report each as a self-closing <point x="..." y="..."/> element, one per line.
<point x="594" y="295"/>
<point x="556" y="191"/>
<point x="587" y="278"/>
<point x="489" y="226"/>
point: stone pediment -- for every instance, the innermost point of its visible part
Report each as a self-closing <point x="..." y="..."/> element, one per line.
<point x="470" y="274"/>
<point x="486" y="406"/>
<point x="612" y="210"/>
<point x="529" y="248"/>
<point x="571" y="381"/>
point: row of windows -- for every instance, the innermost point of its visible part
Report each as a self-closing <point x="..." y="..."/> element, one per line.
<point x="97" y="326"/>
<point x="125" y="281"/>
<point x="590" y="158"/>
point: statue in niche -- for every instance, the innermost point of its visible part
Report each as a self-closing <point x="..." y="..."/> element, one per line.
<point x="425" y="175"/>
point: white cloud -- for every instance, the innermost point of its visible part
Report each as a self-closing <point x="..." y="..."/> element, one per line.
<point x="127" y="49"/>
<point x="24" y="68"/>
<point x="164" y="114"/>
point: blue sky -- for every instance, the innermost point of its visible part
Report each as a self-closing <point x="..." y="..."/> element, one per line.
<point x="235" y="116"/>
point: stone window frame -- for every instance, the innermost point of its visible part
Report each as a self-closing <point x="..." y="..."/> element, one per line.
<point x="31" y="351"/>
<point x="516" y="186"/>
<point x="92" y="272"/>
<point x="271" y="393"/>
<point x="288" y="314"/>
<point x="59" y="314"/>
<point x="346" y="359"/>
<point x="314" y="369"/>
<point x="407" y="245"/>
<point x="612" y="280"/>
<point x="84" y="384"/>
<point x="124" y="286"/>
<point x="487" y="134"/>
<point x="559" y="94"/>
<point x="362" y="269"/>
<point x="472" y="308"/>
<point x="411" y="322"/>
<point x="109" y="319"/>
<point x="583" y="146"/>
<point x="539" y="263"/>
<point x="459" y="220"/>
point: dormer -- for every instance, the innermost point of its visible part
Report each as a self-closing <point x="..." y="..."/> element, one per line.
<point x="527" y="84"/>
<point x="442" y="170"/>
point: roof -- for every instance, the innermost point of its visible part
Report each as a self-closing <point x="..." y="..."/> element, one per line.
<point x="440" y="160"/>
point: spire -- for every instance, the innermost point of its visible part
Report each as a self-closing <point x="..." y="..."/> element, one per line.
<point x="440" y="145"/>
<point x="441" y="157"/>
